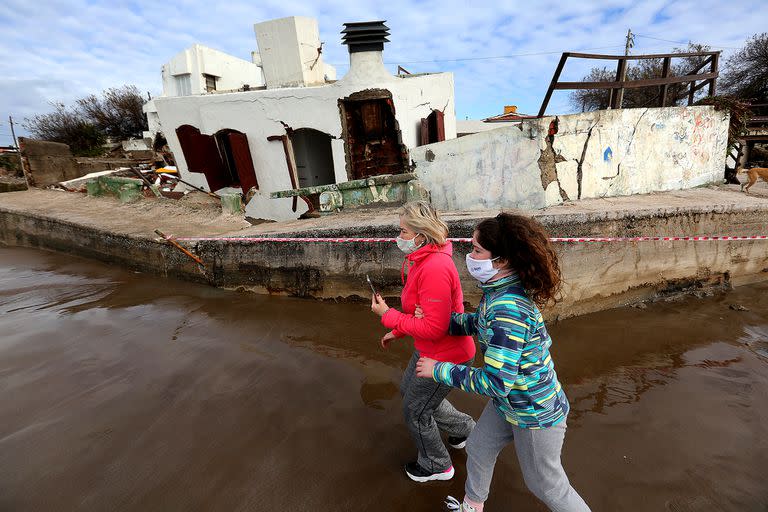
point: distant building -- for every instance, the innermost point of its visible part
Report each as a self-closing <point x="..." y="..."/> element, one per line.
<point x="510" y="116"/>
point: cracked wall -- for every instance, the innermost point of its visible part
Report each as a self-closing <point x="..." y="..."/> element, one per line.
<point x="261" y="114"/>
<point x="548" y="161"/>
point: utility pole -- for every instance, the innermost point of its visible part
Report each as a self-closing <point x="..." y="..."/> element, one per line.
<point x="630" y="41"/>
<point x="621" y="73"/>
<point x="13" y="133"/>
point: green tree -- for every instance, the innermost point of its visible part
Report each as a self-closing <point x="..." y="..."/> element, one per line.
<point x="68" y="126"/>
<point x="86" y="125"/>
<point x="118" y="113"/>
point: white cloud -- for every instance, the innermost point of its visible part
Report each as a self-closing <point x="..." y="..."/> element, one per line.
<point x="62" y="50"/>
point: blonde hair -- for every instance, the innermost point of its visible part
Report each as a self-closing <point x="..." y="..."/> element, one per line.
<point x="420" y="217"/>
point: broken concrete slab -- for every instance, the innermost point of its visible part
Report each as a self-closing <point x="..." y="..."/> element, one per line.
<point x="46" y="163"/>
<point x="78" y="184"/>
<point x="128" y="190"/>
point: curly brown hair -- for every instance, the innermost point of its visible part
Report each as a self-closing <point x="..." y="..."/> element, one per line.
<point x="525" y="245"/>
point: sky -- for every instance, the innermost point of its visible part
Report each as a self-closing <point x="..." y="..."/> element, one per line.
<point x="501" y="52"/>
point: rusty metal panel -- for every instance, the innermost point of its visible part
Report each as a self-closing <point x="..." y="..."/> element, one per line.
<point x="372" y="137"/>
<point x="243" y="161"/>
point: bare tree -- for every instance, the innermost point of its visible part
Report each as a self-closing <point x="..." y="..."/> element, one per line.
<point x="597" y="99"/>
<point x="118" y="113"/>
<point x="746" y="72"/>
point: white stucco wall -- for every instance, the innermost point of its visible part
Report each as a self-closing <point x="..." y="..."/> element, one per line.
<point x="153" y="120"/>
<point x="288" y="49"/>
<point x="260" y="114"/>
<point x="230" y="72"/>
<point x="621" y="152"/>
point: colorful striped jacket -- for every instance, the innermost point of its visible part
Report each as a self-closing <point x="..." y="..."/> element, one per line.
<point x="518" y="372"/>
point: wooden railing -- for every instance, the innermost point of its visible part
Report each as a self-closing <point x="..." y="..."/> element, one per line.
<point x="621" y="83"/>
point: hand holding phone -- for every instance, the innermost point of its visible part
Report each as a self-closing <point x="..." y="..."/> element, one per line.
<point x="371" y="285"/>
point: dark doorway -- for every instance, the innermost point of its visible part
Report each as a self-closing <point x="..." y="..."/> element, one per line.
<point x="372" y="138"/>
<point x="433" y="128"/>
<point x="224" y="159"/>
<point x="313" y="156"/>
<point x="236" y="157"/>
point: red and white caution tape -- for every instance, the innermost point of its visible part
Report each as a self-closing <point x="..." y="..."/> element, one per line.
<point x="554" y="239"/>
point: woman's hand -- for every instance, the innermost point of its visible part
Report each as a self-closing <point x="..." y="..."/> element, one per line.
<point x="378" y="305"/>
<point x="387" y="339"/>
<point x="424" y="367"/>
<point x="419" y="313"/>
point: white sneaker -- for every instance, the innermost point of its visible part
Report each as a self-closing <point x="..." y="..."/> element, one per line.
<point x="452" y="503"/>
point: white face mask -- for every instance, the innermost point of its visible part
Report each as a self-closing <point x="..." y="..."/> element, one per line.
<point x="482" y="270"/>
<point x="407" y="246"/>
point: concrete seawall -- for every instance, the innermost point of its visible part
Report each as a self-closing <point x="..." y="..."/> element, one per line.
<point x="597" y="276"/>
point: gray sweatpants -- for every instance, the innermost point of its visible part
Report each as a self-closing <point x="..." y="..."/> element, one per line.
<point x="427" y="412"/>
<point x="538" y="452"/>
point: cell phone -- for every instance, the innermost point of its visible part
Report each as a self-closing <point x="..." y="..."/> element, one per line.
<point x="371" y="285"/>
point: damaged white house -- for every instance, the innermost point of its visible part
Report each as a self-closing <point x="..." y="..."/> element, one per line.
<point x="299" y="127"/>
<point x="375" y="137"/>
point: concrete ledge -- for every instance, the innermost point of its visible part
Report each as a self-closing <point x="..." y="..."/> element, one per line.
<point x="598" y="276"/>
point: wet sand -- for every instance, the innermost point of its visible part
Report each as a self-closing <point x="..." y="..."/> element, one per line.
<point x="123" y="391"/>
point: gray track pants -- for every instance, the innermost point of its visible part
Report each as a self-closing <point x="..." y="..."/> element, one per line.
<point x="538" y="452"/>
<point x="427" y="412"/>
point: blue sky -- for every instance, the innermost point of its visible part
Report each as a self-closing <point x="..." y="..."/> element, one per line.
<point x="63" y="50"/>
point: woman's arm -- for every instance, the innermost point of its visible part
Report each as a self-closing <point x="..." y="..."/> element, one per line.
<point x="434" y="297"/>
<point x="463" y="324"/>
<point x="501" y="360"/>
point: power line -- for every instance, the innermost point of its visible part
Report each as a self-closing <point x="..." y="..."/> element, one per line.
<point x="511" y="56"/>
<point x="685" y="42"/>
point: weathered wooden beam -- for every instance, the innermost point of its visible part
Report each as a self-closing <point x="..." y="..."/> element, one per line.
<point x="634" y="84"/>
<point x="553" y="83"/>
<point x="665" y="74"/>
<point x="714" y="69"/>
<point x="621" y="76"/>
<point x="638" y="57"/>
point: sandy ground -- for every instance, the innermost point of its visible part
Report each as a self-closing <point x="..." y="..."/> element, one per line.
<point x="198" y="215"/>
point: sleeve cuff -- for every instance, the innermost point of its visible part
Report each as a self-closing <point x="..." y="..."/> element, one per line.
<point x="437" y="370"/>
<point x="390" y="318"/>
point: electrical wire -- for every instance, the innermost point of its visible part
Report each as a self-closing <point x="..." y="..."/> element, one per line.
<point x="685" y="42"/>
<point x="511" y="56"/>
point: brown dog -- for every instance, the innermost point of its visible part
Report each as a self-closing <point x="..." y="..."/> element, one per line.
<point x="753" y="174"/>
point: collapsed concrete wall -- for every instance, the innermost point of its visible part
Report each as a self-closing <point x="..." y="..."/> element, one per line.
<point x="543" y="162"/>
<point x="46" y="163"/>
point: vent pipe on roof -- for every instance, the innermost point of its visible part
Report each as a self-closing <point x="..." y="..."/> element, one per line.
<point x="365" y="41"/>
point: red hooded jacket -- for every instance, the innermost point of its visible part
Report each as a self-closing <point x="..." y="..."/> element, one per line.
<point x="433" y="283"/>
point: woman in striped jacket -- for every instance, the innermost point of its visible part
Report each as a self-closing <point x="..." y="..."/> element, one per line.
<point x="517" y="267"/>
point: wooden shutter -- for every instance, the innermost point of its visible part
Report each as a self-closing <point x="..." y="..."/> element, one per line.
<point x="202" y="155"/>
<point x="241" y="153"/>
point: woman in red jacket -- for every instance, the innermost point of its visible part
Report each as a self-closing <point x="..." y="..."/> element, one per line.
<point x="433" y="284"/>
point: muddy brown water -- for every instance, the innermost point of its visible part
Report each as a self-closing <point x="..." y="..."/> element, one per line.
<point x="124" y="391"/>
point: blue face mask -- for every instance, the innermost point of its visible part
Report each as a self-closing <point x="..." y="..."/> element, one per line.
<point x="482" y="270"/>
<point x="407" y="246"/>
